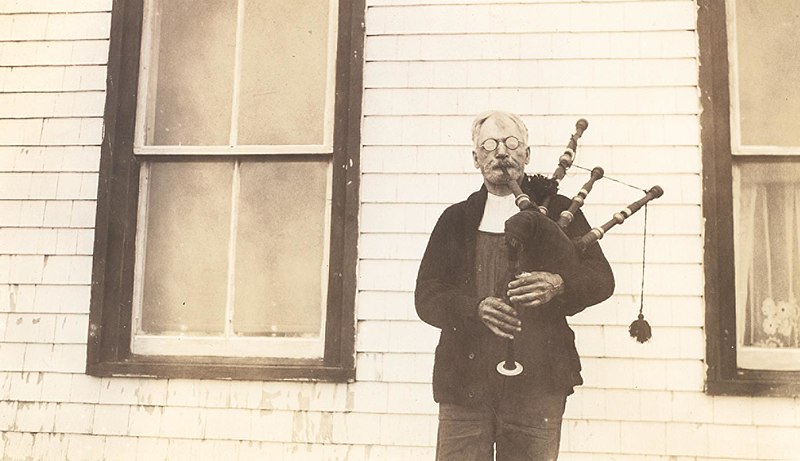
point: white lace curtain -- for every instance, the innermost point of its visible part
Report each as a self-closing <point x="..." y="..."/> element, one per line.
<point x="767" y="249"/>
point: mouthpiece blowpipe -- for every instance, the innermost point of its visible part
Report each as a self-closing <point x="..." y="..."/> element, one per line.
<point x="522" y="199"/>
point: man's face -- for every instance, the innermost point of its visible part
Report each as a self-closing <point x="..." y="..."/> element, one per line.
<point x="489" y="161"/>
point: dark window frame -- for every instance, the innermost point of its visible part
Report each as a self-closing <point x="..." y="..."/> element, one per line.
<point x="723" y="377"/>
<point x="110" y="319"/>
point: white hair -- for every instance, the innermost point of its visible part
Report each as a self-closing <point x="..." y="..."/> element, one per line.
<point x="481" y="118"/>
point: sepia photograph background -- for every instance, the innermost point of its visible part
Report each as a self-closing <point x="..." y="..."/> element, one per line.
<point x="212" y="215"/>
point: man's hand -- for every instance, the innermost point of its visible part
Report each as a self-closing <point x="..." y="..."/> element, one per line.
<point x="499" y="317"/>
<point x="532" y="289"/>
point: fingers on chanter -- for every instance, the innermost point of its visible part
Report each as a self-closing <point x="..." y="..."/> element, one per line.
<point x="503" y="308"/>
<point x="524" y="298"/>
<point x="498" y="327"/>
<point x="506" y="327"/>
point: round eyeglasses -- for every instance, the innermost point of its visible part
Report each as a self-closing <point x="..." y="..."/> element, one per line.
<point x="491" y="144"/>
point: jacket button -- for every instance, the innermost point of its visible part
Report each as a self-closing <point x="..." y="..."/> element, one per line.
<point x="471" y="355"/>
<point x="470" y="394"/>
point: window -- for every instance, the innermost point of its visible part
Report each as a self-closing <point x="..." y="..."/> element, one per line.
<point x="751" y="157"/>
<point x="225" y="234"/>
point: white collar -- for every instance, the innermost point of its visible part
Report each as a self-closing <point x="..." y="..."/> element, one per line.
<point x="497" y="210"/>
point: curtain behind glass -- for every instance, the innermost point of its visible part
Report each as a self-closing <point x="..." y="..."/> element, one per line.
<point x="767" y="230"/>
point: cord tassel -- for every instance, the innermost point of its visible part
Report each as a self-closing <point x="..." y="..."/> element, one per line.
<point x="640" y="329"/>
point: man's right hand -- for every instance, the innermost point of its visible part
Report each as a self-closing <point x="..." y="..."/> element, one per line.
<point x="499" y="317"/>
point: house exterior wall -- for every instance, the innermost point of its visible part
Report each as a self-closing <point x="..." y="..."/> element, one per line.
<point x="629" y="67"/>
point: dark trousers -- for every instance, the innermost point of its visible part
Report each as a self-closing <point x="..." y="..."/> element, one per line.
<point x="512" y="427"/>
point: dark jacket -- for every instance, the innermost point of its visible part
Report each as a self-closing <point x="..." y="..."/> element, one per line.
<point x="445" y="297"/>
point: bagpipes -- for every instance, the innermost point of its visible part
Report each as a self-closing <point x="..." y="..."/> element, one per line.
<point x="558" y="253"/>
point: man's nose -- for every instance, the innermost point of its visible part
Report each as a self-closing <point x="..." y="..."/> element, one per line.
<point x="501" y="151"/>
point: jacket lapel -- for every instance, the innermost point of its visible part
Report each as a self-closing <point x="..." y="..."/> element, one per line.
<point x="476" y="203"/>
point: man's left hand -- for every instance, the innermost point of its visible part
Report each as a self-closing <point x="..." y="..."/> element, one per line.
<point x="533" y="289"/>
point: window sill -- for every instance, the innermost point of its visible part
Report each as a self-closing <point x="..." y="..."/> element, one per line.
<point x="214" y="368"/>
<point x="757" y="383"/>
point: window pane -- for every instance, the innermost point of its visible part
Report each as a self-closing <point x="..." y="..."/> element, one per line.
<point x="767" y="229"/>
<point x="186" y="254"/>
<point x="192" y="74"/>
<point x="280" y="254"/>
<point x="767" y="34"/>
<point x="284" y="72"/>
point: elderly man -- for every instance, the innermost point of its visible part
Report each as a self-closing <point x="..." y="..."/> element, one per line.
<point x="461" y="287"/>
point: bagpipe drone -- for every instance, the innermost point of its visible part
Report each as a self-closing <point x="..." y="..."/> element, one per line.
<point x="557" y="252"/>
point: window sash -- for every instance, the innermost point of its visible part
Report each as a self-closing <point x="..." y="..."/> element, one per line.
<point x="146" y="104"/>
<point x="752" y="231"/>
<point x="229" y="344"/>
<point x="750" y="358"/>
<point x="737" y="147"/>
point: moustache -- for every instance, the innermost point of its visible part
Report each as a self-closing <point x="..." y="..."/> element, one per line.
<point x="505" y="164"/>
<point x="504" y="167"/>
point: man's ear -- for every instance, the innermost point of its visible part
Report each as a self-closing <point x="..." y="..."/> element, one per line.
<point x="527" y="155"/>
<point x="475" y="159"/>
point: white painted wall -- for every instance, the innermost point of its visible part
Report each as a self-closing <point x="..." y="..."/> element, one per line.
<point x="629" y="67"/>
